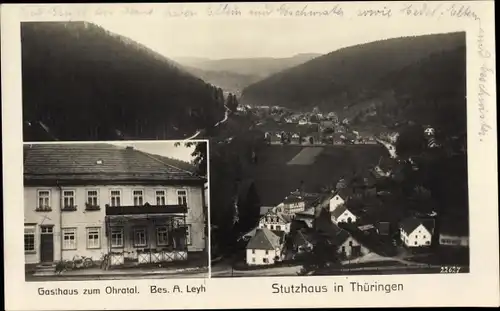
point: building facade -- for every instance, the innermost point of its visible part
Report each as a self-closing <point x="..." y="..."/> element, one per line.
<point x="92" y="201"/>
<point x="416" y="233"/>
<point x="264" y="248"/>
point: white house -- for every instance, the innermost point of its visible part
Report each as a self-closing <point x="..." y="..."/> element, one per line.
<point x="454" y="234"/>
<point x="454" y="240"/>
<point x="335" y="202"/>
<point x="429" y="131"/>
<point x="417" y="232"/>
<point x="95" y="199"/>
<point x="264" y="248"/>
<point x="293" y="204"/>
<point x="275" y="221"/>
<point x="343" y="214"/>
<point x="340" y="196"/>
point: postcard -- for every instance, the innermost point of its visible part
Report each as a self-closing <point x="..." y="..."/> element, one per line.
<point x="249" y="155"/>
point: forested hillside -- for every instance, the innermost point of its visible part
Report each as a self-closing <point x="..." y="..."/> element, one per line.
<point x="431" y="91"/>
<point x="81" y="82"/>
<point x="344" y="77"/>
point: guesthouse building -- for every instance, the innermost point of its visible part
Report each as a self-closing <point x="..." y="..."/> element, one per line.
<point x="101" y="199"/>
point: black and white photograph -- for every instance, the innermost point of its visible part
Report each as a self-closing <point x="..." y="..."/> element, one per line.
<point x="314" y="154"/>
<point x="326" y="157"/>
<point x="114" y="210"/>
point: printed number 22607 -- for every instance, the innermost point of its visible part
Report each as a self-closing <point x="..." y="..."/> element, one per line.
<point x="450" y="269"/>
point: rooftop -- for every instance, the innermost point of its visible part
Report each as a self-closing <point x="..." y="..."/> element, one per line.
<point x="98" y="162"/>
<point x="411" y="223"/>
<point x="264" y="239"/>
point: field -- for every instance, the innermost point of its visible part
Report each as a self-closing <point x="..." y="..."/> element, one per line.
<point x="306" y="156"/>
<point x="275" y="178"/>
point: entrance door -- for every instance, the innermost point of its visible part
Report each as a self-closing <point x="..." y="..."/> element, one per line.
<point x="356" y="251"/>
<point x="47" y="244"/>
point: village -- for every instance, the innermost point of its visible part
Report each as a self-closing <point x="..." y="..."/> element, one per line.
<point x="286" y="127"/>
<point x="363" y="217"/>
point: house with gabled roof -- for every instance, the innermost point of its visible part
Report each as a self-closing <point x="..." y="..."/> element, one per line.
<point x="276" y="221"/>
<point x="339" y="197"/>
<point x="416" y="232"/>
<point x="343" y="214"/>
<point x="303" y="241"/>
<point x="264" y="248"/>
<point x="347" y="246"/>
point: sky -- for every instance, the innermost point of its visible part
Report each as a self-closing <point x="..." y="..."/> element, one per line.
<point x="269" y="37"/>
<point x="166" y="149"/>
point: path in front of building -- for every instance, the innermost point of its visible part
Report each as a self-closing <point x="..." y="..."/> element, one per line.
<point x="122" y="274"/>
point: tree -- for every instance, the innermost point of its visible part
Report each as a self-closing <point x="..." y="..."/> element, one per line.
<point x="411" y="141"/>
<point x="232" y="102"/>
<point x="323" y="254"/>
<point x="200" y="156"/>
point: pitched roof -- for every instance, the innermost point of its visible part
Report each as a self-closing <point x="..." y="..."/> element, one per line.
<point x="293" y="199"/>
<point x="308" y="213"/>
<point x="323" y="224"/>
<point x="339" y="211"/>
<point x="344" y="193"/>
<point x="411" y="223"/>
<point x="340" y="237"/>
<point x="264" y="239"/>
<point x="96" y="162"/>
<point x="301" y="238"/>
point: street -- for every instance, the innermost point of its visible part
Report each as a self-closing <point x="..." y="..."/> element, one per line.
<point x="194" y="275"/>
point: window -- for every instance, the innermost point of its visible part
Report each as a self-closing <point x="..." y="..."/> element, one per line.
<point x="161" y="236"/>
<point x="43" y="200"/>
<point x="46" y="229"/>
<point x="253" y="251"/>
<point x="160" y="197"/>
<point x="278" y="228"/>
<point x="188" y="234"/>
<point x="68" y="198"/>
<point x="416" y="236"/>
<point x="93" y="238"/>
<point x="182" y="197"/>
<point x="264" y="260"/>
<point x="116" y="197"/>
<point x="424" y="236"/>
<point x="138" y="197"/>
<point x="92" y="197"/>
<point x="117" y="237"/>
<point x="415" y="242"/>
<point x="253" y="259"/>
<point x="69" y="238"/>
<point x="272" y="227"/>
<point x="140" y="237"/>
<point x="343" y="249"/>
<point x="350" y="243"/>
<point x="427" y="242"/>
<point x="29" y="238"/>
<point x="267" y="252"/>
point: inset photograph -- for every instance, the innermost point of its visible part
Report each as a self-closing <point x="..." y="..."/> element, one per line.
<point x="115" y="210"/>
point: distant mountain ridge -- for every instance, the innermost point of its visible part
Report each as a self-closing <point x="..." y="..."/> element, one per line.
<point x="83" y="82"/>
<point x="234" y="74"/>
<point x="343" y="77"/>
